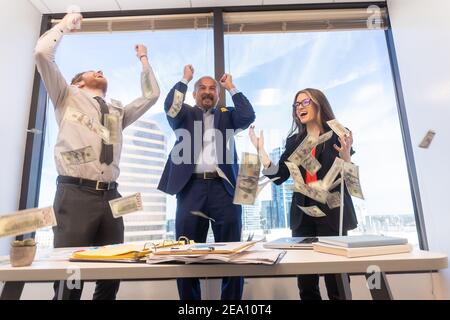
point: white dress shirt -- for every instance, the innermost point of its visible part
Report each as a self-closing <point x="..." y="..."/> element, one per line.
<point x="71" y="102"/>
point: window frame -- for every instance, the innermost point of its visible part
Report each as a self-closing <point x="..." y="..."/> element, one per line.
<point x="34" y="148"/>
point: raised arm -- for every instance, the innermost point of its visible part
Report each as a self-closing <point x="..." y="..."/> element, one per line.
<point x="270" y="170"/>
<point x="243" y="114"/>
<point x="44" y="54"/>
<point x="174" y="104"/>
<point x="149" y="87"/>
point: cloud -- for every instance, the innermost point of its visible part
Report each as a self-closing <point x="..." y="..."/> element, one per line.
<point x="268" y="97"/>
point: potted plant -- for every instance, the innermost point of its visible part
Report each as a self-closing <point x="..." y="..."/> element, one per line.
<point x="22" y="252"/>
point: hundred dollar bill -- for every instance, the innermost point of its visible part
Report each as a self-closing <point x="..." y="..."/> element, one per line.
<point x="247" y="180"/>
<point x="351" y="178"/>
<point x="303" y="150"/>
<point x="325" y="137"/>
<point x="334" y="200"/>
<point x="261" y="186"/>
<point x="311" y="164"/>
<point x="319" y="195"/>
<point x="177" y="103"/>
<point x="93" y="125"/>
<point x="335" y="184"/>
<point x="79" y="156"/>
<point x="316" y="184"/>
<point x="223" y="175"/>
<point x="26" y="221"/>
<point x="338" y="128"/>
<point x="146" y="85"/>
<point x="332" y="174"/>
<point x="427" y="139"/>
<point x="294" y="170"/>
<point x="201" y="214"/>
<point x="315" y="193"/>
<point x="112" y="123"/>
<point x="313" y="211"/>
<point x="125" y="205"/>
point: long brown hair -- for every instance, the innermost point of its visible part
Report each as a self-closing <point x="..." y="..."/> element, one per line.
<point x="324" y="111"/>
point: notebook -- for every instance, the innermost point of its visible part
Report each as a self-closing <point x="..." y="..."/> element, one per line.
<point x="363" y="251"/>
<point x="291" y="243"/>
<point x="361" y="241"/>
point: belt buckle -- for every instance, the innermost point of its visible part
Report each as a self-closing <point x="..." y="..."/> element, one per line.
<point x="205" y="176"/>
<point x="102" y="189"/>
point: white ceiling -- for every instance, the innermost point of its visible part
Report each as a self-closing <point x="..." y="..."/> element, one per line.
<point x="59" y="6"/>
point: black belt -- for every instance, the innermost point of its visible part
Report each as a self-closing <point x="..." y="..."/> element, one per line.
<point x="97" y="185"/>
<point x="206" y="175"/>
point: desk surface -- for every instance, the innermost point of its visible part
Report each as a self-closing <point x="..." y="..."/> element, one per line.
<point x="295" y="262"/>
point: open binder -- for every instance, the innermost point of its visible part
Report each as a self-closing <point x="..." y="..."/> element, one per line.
<point x="127" y="252"/>
<point x="206" y="248"/>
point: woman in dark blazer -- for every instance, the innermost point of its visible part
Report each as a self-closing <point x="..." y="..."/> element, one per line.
<point x="311" y="111"/>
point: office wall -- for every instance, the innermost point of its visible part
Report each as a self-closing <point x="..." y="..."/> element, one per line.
<point x="422" y="41"/>
<point x="19" y="30"/>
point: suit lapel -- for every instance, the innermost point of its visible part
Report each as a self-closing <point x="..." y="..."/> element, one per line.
<point x="216" y="118"/>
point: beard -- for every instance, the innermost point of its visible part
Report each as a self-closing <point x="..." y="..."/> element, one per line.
<point x="207" y="101"/>
<point x="99" y="83"/>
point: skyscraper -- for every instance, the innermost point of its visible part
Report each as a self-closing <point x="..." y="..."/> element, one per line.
<point x="141" y="166"/>
<point x="281" y="196"/>
<point x="251" y="217"/>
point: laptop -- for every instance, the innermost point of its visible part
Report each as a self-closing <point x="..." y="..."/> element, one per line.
<point x="291" y="243"/>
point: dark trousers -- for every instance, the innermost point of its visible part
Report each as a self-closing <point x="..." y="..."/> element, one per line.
<point x="211" y="198"/>
<point x="84" y="219"/>
<point x="308" y="285"/>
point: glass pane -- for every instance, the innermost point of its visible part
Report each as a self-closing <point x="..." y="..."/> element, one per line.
<point x="146" y="142"/>
<point x="352" y="68"/>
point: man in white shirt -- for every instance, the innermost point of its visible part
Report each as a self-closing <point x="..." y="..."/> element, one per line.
<point x="87" y="151"/>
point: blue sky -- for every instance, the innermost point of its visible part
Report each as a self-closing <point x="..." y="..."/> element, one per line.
<point x="352" y="68"/>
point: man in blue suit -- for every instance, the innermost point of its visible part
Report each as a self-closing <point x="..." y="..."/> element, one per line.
<point x="205" y="142"/>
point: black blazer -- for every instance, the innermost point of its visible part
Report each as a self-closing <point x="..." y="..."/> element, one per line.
<point x="325" y="154"/>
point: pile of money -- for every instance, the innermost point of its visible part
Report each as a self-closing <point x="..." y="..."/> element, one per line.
<point x="247" y="180"/>
<point x="26" y="221"/>
<point x="125" y="205"/>
<point x="177" y="103"/>
<point x="302" y="154"/>
<point x="79" y="156"/>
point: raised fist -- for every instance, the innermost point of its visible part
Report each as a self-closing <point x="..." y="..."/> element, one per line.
<point x="188" y="72"/>
<point x="141" y="50"/>
<point x="71" y="21"/>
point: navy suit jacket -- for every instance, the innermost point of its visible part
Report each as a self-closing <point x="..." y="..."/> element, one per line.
<point x="180" y="164"/>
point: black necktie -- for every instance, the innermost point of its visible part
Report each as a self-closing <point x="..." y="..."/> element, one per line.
<point x="106" y="155"/>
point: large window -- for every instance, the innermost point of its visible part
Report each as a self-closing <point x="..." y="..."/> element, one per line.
<point x="271" y="56"/>
<point x="352" y="69"/>
<point x="147" y="142"/>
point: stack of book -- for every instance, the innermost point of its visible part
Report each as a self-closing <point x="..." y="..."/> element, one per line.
<point x="362" y="246"/>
